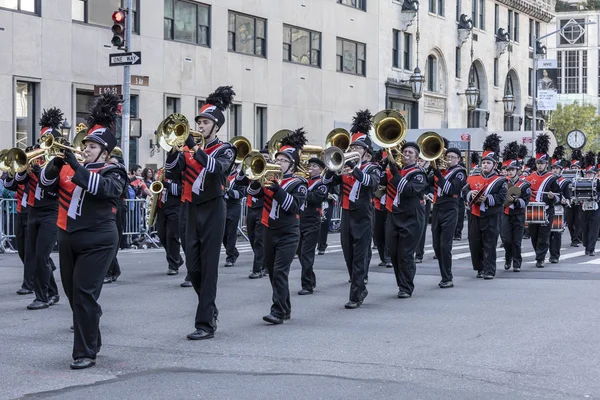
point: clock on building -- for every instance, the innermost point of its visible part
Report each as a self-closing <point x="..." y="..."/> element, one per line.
<point x="576" y="139"/>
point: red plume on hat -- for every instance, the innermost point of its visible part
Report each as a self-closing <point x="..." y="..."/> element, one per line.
<point x="51" y="121"/>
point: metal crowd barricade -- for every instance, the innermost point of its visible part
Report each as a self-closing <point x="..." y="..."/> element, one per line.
<point x="336" y="217"/>
<point x="136" y="223"/>
<point x="8" y="210"/>
<point x="242" y="226"/>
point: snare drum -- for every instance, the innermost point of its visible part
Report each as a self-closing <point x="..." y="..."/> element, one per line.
<point x="584" y="189"/>
<point x="558" y="222"/>
<point x="536" y="213"/>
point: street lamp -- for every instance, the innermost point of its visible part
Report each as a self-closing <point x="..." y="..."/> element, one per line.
<point x="416" y="83"/>
<point x="509" y="104"/>
<point x="536" y="42"/>
<point x="65" y="128"/>
<point x="472" y="95"/>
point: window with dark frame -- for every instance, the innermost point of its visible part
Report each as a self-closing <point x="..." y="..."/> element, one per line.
<point x="440" y="8"/>
<point x="397" y="38"/>
<point x="406" y="54"/>
<point x="235" y="121"/>
<point x="359" y="4"/>
<point x="529" y="89"/>
<point x="173" y="105"/>
<point x="301" y="46"/>
<point x="457" y="63"/>
<point x="559" y="72"/>
<point x="247" y="34"/>
<point x="458" y="7"/>
<point x="474" y="12"/>
<point x="187" y="21"/>
<point x="99" y="12"/>
<point x="496" y="18"/>
<point x="351" y="57"/>
<point x="515" y="33"/>
<point x="481" y="19"/>
<point x="530" y="32"/>
<point x="30" y="6"/>
<point x="260" y="127"/>
<point x="431" y="80"/>
<point x="574" y="33"/>
<point x="496" y="78"/>
<point x="510" y="22"/>
<point x="436" y="7"/>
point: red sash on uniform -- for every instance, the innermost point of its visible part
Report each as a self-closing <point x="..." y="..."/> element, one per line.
<point x="538" y="183"/>
<point x="478" y="182"/>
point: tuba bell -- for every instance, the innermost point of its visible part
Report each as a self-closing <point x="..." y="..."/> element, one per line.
<point x="338" y="137"/>
<point x="174" y="130"/>
<point x="388" y="131"/>
<point x="256" y="168"/>
<point x="275" y="142"/>
<point x="242" y="146"/>
<point x="433" y="149"/>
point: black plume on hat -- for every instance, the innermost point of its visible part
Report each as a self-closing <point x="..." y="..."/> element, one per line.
<point x="292" y="144"/>
<point x="542" y="144"/>
<point x="522" y="152"/>
<point x="531" y="163"/>
<point x="511" y="151"/>
<point x="216" y="104"/>
<point x="104" y="112"/>
<point x="589" y="159"/>
<point x="51" y="118"/>
<point x="491" y="144"/>
<point x="361" y="122"/>
<point x="576" y="155"/>
<point x="475" y="158"/>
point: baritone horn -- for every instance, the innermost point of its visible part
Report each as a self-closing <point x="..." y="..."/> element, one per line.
<point x="433" y="149"/>
<point x="156" y="188"/>
<point x="174" y="130"/>
<point x="256" y="168"/>
<point x="242" y="146"/>
<point x="388" y="132"/>
<point x="275" y="142"/>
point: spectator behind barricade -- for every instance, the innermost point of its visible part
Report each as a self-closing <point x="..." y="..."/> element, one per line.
<point x="148" y="176"/>
<point x="136" y="181"/>
<point x="10" y="209"/>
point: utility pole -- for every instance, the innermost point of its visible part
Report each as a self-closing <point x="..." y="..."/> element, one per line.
<point x="126" y="111"/>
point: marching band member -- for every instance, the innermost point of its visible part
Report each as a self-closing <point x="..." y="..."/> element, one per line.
<point x="114" y="271"/>
<point x="545" y="189"/>
<point x="426" y="203"/>
<point x="282" y="203"/>
<point x="381" y="214"/>
<point x="591" y="212"/>
<point x="574" y="216"/>
<point x="358" y="182"/>
<point x="515" y="205"/>
<point x="236" y="190"/>
<point x="460" y="221"/>
<point x="487" y="193"/>
<point x="41" y="222"/>
<point x="88" y="237"/>
<point x="206" y="172"/>
<point x="565" y="197"/>
<point x="447" y="185"/>
<point x="310" y="224"/>
<point x="405" y="190"/>
<point x="167" y="217"/>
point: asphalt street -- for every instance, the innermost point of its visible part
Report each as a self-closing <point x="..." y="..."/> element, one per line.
<point x="527" y="335"/>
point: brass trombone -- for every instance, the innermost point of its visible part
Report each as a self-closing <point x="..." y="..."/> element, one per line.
<point x="433" y="149"/>
<point x="256" y="168"/>
<point x="174" y="130"/>
<point x="388" y="132"/>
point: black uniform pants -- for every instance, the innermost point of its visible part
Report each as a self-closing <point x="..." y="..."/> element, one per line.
<point x="379" y="235"/>
<point x="420" y="250"/>
<point x="41" y="238"/>
<point x="85" y="257"/>
<point x="590" y="229"/>
<point x="443" y="226"/>
<point x="324" y="230"/>
<point x="574" y="218"/>
<point x="309" y="236"/>
<point x="234" y="210"/>
<point x="255" y="236"/>
<point x="460" y="221"/>
<point x="483" y="237"/>
<point x="555" y="243"/>
<point x="402" y="243"/>
<point x="182" y="229"/>
<point x="20" y="240"/>
<point x="512" y="237"/>
<point x="540" y="236"/>
<point x="355" y="236"/>
<point x="280" y="247"/>
<point x="114" y="270"/>
<point x="167" y="226"/>
<point x="203" y="247"/>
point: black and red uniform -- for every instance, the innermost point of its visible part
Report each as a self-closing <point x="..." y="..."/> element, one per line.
<point x="556" y="237"/>
<point x="447" y="185"/>
<point x="236" y="190"/>
<point x="255" y="228"/>
<point x="178" y="165"/>
<point x="513" y="224"/>
<point x="88" y="198"/>
<point x="357" y="191"/>
<point x="381" y="215"/>
<point x="541" y="184"/>
<point x="281" y="221"/>
<point x="310" y="224"/>
<point x="206" y="174"/>
<point x="484" y="221"/>
<point x="41" y="234"/>
<point x="167" y="217"/>
<point x="21" y="230"/>
<point x="404" y="193"/>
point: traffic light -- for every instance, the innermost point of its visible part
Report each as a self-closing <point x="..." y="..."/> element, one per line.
<point x="118" y="29"/>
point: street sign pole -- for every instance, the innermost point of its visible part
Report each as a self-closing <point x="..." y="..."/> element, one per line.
<point x="126" y="90"/>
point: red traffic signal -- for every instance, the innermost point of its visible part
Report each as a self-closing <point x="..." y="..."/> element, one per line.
<point x="118" y="29"/>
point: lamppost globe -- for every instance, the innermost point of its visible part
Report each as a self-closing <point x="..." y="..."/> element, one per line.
<point x="65" y="128"/>
<point x="472" y="94"/>
<point x="416" y="82"/>
<point x="509" y="104"/>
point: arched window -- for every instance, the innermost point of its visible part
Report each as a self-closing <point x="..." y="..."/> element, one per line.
<point x="432" y="72"/>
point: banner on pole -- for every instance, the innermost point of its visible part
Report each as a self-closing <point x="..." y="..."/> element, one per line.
<point x="547" y="91"/>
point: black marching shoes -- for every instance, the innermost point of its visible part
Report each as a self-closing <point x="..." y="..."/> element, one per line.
<point x="82" y="363"/>
<point x="200" y="334"/>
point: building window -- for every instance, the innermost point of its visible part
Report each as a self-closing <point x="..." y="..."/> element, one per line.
<point x="515" y="32"/>
<point x="397" y="38"/>
<point x="235" y="121"/>
<point x="351" y="57"/>
<point x="26" y="98"/>
<point x="436" y="7"/>
<point x="407" y="109"/>
<point x="247" y="34"/>
<point x="496" y="18"/>
<point x="458" y="7"/>
<point x="481" y="18"/>
<point x="301" y="46"/>
<point x="31" y="6"/>
<point x="99" y="12"/>
<point x="537" y="29"/>
<point x="431" y="73"/>
<point x="407" y="50"/>
<point x="529" y="90"/>
<point x="496" y="72"/>
<point x="457" y="63"/>
<point x="84" y="99"/>
<point x="531" y="34"/>
<point x="360" y="4"/>
<point x="574" y="33"/>
<point x="572" y="71"/>
<point x="474" y="12"/>
<point x="173" y="105"/>
<point x="510" y="22"/>
<point x="584" y="71"/>
<point x="187" y="21"/>
<point x="260" y="127"/>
